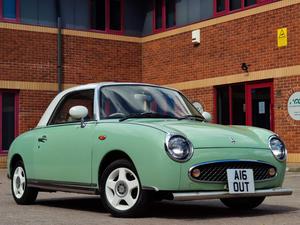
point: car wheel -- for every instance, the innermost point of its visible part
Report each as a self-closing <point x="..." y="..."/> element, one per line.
<point x="121" y="192"/>
<point x="22" y="194"/>
<point x="243" y="203"/>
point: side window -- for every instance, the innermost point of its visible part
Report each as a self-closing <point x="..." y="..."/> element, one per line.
<point x="84" y="98"/>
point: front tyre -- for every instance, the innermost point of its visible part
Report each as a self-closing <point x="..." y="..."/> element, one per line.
<point x="22" y="194"/>
<point x="243" y="203"/>
<point x="121" y="192"/>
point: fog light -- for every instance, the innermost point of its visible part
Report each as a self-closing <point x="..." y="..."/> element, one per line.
<point x="196" y="173"/>
<point x="272" y="172"/>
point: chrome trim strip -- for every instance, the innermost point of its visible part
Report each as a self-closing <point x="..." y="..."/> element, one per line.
<point x="188" y="196"/>
<point x="228" y="161"/>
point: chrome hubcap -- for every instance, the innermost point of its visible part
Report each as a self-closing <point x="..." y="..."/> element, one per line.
<point x="19" y="182"/>
<point x="122" y="189"/>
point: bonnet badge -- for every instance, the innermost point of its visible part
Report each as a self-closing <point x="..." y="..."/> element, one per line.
<point x="233" y="141"/>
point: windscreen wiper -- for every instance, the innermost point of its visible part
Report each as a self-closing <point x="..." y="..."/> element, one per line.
<point x="192" y="117"/>
<point x="147" y="115"/>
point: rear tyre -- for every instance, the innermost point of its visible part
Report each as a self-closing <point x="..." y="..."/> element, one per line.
<point x="23" y="195"/>
<point x="121" y="192"/>
<point x="243" y="203"/>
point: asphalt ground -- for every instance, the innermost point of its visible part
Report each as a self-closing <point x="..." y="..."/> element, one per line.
<point x="74" y="209"/>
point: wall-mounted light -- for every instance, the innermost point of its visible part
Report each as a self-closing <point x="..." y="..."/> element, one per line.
<point x="196" y="37"/>
<point x="245" y="67"/>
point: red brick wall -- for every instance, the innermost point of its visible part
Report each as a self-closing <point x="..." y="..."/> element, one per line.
<point x="285" y="126"/>
<point x="32" y="106"/>
<point x="31" y="56"/>
<point x="204" y="96"/>
<point x="27" y="56"/>
<point x="224" y="47"/>
<point x="88" y="60"/>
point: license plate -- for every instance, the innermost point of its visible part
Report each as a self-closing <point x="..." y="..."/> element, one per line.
<point x="240" y="181"/>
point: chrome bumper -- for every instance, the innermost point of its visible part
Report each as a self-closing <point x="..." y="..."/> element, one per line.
<point x="188" y="196"/>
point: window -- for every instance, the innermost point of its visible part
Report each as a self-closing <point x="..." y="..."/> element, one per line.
<point x="164" y="15"/>
<point x="227" y="6"/>
<point x="84" y="98"/>
<point x="8" y="118"/>
<point x="107" y="15"/>
<point x="246" y="104"/>
<point x="9" y="9"/>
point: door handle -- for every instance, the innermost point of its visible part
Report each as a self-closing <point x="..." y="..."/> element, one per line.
<point x="42" y="139"/>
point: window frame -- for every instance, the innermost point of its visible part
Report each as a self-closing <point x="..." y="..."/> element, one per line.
<point x="248" y="104"/>
<point x="164" y="17"/>
<point x="15" y="20"/>
<point x="16" y="117"/>
<point x="107" y="19"/>
<point x="227" y="10"/>
<point x="62" y="100"/>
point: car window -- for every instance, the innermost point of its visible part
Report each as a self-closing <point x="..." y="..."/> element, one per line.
<point x="84" y="98"/>
<point x="121" y="100"/>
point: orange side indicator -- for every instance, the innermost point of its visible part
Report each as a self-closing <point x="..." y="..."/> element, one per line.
<point x="102" y="138"/>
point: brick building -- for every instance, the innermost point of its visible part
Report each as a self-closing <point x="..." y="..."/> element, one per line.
<point x="151" y="41"/>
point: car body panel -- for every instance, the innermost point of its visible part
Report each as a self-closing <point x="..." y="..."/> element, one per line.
<point x="73" y="153"/>
<point x="154" y="167"/>
<point x="64" y="156"/>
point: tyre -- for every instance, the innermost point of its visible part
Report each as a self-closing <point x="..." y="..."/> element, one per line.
<point x="243" y="203"/>
<point x="121" y="192"/>
<point x="22" y="194"/>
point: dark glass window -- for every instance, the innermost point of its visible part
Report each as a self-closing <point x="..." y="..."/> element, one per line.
<point x="83" y="98"/>
<point x="170" y="13"/>
<point x="238" y="105"/>
<point x="115" y="14"/>
<point x="227" y="6"/>
<point x="234" y="4"/>
<point x="98" y="14"/>
<point x="158" y="14"/>
<point x="9" y="9"/>
<point x="164" y="14"/>
<point x="221" y="6"/>
<point x="223" y="106"/>
<point x="249" y="2"/>
<point x="8" y="119"/>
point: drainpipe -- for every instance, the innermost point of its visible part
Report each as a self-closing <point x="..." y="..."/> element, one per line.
<point x="59" y="46"/>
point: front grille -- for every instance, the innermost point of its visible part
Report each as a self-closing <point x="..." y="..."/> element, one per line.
<point x="215" y="172"/>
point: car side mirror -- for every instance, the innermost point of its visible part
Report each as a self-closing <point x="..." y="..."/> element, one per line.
<point x="207" y="116"/>
<point x="79" y="112"/>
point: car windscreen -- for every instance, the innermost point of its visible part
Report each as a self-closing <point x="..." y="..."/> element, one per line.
<point x="120" y="101"/>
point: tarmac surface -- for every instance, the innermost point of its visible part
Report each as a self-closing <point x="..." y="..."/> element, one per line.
<point x="74" y="209"/>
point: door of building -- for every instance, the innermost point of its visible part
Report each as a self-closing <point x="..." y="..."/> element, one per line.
<point x="245" y="104"/>
<point x="259" y="105"/>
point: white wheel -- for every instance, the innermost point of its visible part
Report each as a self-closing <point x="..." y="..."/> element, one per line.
<point x="122" y="189"/>
<point x="19" y="182"/>
<point x="121" y="192"/>
<point x="22" y="194"/>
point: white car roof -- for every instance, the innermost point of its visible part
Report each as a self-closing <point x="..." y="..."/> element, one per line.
<point x="47" y="114"/>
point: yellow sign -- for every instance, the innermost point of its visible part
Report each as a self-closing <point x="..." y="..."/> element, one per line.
<point x="282" y="38"/>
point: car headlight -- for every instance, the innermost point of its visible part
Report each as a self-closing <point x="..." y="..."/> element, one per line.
<point x="278" y="148"/>
<point x="179" y="148"/>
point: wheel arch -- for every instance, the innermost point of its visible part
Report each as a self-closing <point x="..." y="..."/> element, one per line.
<point x="14" y="159"/>
<point x="110" y="157"/>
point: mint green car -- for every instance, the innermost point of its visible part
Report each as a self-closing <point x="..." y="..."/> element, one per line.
<point x="134" y="143"/>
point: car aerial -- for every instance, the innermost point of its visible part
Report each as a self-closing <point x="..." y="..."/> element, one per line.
<point x="133" y="143"/>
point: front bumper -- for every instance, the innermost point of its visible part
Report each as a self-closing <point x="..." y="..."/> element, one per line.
<point x="203" y="195"/>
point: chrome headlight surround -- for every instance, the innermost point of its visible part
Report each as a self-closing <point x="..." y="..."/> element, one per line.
<point x="277" y="148"/>
<point x="178" y="147"/>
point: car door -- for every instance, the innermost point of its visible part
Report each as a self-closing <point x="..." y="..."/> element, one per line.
<point x="64" y="148"/>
